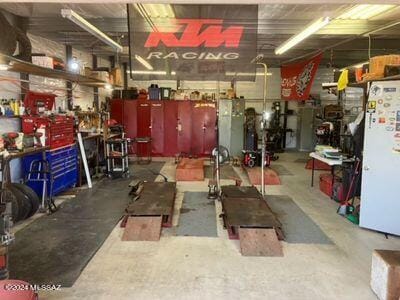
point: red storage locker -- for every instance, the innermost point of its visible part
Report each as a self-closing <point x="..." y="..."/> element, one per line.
<point x="130" y="118"/>
<point x="143" y="118"/>
<point x="203" y="129"/>
<point x="117" y="109"/>
<point x="210" y="130"/>
<point x="143" y="125"/>
<point x="157" y="127"/>
<point x="184" y="126"/>
<point x="170" y="128"/>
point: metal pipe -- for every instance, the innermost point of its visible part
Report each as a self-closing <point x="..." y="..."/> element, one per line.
<point x="217" y="165"/>
<point x="263" y="124"/>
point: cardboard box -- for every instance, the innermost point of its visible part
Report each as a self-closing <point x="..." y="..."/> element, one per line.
<point x="43" y="61"/>
<point x="377" y="64"/>
<point x="116" y="77"/>
<point x="385" y="274"/>
<point x="100" y="75"/>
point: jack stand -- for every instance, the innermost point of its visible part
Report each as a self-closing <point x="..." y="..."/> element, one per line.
<point x="212" y="189"/>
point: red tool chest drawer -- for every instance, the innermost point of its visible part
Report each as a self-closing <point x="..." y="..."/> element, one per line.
<point x="59" y="130"/>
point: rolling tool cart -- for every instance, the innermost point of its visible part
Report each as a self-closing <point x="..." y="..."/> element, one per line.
<point x="39" y="172"/>
<point x="59" y="174"/>
<point x="117" y="157"/>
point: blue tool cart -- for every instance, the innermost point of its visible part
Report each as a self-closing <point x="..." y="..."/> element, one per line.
<point x="62" y="174"/>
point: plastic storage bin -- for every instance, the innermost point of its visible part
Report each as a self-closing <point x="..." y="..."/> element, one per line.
<point x="154" y="92"/>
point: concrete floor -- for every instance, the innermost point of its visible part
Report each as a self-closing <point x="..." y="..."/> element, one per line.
<point x="212" y="268"/>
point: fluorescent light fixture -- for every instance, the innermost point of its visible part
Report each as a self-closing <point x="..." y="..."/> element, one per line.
<point x="170" y="10"/>
<point x="360" y="64"/>
<point x="312" y="28"/>
<point x="151" y="72"/>
<point x="156" y="10"/>
<point x="365" y="11"/>
<point x="266" y="115"/>
<point x="246" y="74"/>
<point x="152" y="11"/>
<point x="356" y="66"/>
<point x="329" y="84"/>
<point x="73" y="65"/>
<point x="144" y="62"/>
<point x="4" y="67"/>
<point x="145" y="14"/>
<point x="81" y="22"/>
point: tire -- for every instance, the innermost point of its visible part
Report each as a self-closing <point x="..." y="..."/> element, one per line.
<point x="15" y="204"/>
<point x="3" y="274"/>
<point x="24" y="203"/>
<point x="10" y="197"/>
<point x="251" y="163"/>
<point x="31" y="194"/>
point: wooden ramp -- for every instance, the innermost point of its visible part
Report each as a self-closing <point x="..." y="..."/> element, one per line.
<point x="248" y="217"/>
<point x="151" y="211"/>
<point x="270" y="176"/>
<point x="259" y="242"/>
<point x="190" y="169"/>
<point x="142" y="229"/>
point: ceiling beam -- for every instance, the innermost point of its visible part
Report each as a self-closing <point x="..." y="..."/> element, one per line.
<point x="217" y="1"/>
<point x="265" y="26"/>
<point x="345" y="41"/>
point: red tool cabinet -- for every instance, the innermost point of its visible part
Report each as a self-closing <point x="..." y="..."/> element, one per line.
<point x="184" y="126"/>
<point x="117" y="110"/>
<point x="157" y="127"/>
<point x="143" y="118"/>
<point x="59" y="130"/>
<point x="170" y="128"/>
<point x="203" y="128"/>
<point x="143" y="125"/>
<point x="130" y="118"/>
<point x="177" y="127"/>
<point x="174" y="126"/>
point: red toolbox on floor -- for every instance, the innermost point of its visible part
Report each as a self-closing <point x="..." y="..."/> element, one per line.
<point x="58" y="130"/>
<point x="325" y="184"/>
<point x="335" y="191"/>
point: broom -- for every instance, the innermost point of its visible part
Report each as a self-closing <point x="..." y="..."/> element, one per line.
<point x="346" y="207"/>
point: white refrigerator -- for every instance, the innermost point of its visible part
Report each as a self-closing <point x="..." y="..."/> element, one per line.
<point x="380" y="189"/>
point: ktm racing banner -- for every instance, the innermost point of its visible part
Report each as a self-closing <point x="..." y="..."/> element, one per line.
<point x="297" y="79"/>
<point x="195" y="42"/>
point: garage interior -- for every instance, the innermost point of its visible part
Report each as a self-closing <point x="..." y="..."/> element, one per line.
<point x="186" y="150"/>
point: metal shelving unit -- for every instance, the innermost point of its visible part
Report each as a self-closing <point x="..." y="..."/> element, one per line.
<point x="20" y="66"/>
